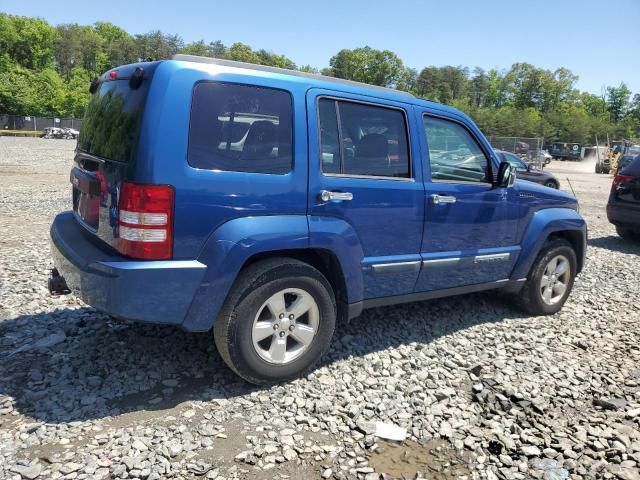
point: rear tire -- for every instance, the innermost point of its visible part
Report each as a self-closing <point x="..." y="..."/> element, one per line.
<point x="277" y="321"/>
<point x="551" y="184"/>
<point x="546" y="276"/>
<point x="628" y="234"/>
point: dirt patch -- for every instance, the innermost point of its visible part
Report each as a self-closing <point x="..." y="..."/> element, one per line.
<point x="436" y="460"/>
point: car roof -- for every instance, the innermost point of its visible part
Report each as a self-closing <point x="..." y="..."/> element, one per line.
<point x="321" y="81"/>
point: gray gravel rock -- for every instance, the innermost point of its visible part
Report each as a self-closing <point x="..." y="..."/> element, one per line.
<point x="28" y="471"/>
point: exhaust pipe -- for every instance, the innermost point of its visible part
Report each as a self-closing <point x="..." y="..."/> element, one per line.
<point x="57" y="284"/>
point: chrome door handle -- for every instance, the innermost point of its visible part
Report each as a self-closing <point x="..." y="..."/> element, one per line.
<point x="327" y="196"/>
<point x="438" y="199"/>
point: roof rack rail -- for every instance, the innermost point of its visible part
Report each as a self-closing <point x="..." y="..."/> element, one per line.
<point x="296" y="73"/>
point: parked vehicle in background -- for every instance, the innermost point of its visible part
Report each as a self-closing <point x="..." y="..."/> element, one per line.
<point x="623" y="208"/>
<point x="269" y="204"/>
<point x="544" y="157"/>
<point x="522" y="147"/>
<point x="57" y="132"/>
<point x="566" y="151"/>
<point x="524" y="171"/>
<point x="539" y="158"/>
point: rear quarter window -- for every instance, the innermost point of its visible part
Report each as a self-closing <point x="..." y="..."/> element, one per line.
<point x="111" y="124"/>
<point x="240" y="128"/>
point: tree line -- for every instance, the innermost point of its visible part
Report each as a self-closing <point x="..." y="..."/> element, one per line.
<point x="45" y="70"/>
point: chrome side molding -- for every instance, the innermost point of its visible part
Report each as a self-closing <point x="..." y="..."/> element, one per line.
<point x="441" y="262"/>
<point x="493" y="257"/>
<point x="396" y="267"/>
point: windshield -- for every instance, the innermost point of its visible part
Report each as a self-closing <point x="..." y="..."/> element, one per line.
<point x="111" y="125"/>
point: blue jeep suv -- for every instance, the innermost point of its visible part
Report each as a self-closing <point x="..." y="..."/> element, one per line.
<point x="268" y="204"/>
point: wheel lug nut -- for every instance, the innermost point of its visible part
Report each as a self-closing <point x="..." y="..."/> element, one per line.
<point x="291" y="317"/>
<point x="291" y="327"/>
<point x="282" y="334"/>
<point x="281" y="315"/>
<point x="276" y="326"/>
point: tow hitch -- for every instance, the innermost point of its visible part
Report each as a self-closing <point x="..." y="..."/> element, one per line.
<point x="56" y="284"/>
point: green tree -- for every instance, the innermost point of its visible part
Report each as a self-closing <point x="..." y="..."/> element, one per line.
<point x="217" y="49"/>
<point x="308" y="69"/>
<point x="118" y="47"/>
<point x="242" y="53"/>
<point x="196" y="48"/>
<point x="273" y="60"/>
<point x="368" y="65"/>
<point x="156" y="45"/>
<point x="27" y="41"/>
<point x="76" y="93"/>
<point x="618" y="101"/>
<point x="478" y="86"/>
<point x="407" y="80"/>
<point x="79" y="47"/>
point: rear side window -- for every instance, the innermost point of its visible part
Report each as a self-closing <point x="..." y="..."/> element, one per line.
<point x="454" y="154"/>
<point x="361" y="139"/>
<point x="240" y="128"/>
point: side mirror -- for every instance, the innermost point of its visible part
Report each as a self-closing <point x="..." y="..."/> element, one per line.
<point x="506" y="175"/>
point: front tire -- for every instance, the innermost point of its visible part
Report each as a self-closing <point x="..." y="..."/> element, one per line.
<point x="277" y="321"/>
<point x="551" y="184"/>
<point x="550" y="280"/>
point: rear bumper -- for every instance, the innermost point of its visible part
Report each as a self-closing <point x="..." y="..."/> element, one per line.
<point x="146" y="291"/>
<point x="624" y="216"/>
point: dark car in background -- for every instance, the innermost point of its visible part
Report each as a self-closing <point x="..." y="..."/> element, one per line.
<point x="565" y="151"/>
<point x="623" y="209"/>
<point x="524" y="171"/>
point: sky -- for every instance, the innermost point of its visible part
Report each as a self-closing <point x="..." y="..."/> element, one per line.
<point x="597" y="40"/>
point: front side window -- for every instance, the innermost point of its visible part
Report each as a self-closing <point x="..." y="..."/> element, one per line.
<point x="362" y="140"/>
<point x="240" y="128"/>
<point x="454" y="154"/>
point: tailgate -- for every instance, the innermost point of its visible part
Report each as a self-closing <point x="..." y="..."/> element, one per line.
<point x="107" y="150"/>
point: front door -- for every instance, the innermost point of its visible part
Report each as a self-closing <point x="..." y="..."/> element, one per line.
<point x="470" y="226"/>
<point x="361" y="172"/>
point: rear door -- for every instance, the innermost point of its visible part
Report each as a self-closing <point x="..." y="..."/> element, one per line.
<point x="363" y="171"/>
<point x="470" y="226"/>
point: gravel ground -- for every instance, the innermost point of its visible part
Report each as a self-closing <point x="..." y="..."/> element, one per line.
<point x="483" y="391"/>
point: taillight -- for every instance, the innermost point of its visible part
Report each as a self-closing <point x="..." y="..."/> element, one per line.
<point x="619" y="179"/>
<point x="146" y="221"/>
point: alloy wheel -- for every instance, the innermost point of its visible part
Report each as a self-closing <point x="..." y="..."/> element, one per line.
<point x="285" y="326"/>
<point x="555" y="280"/>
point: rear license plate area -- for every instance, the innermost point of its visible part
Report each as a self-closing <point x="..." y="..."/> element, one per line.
<point x="86" y="198"/>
